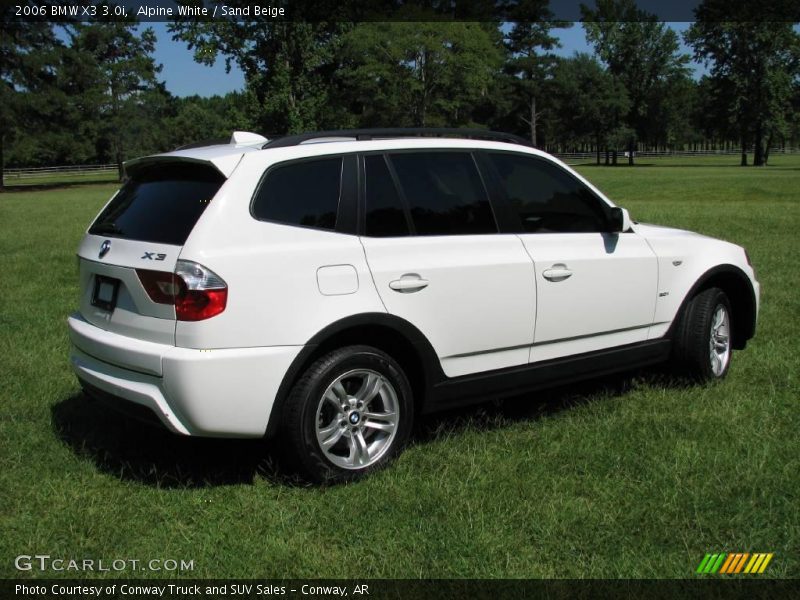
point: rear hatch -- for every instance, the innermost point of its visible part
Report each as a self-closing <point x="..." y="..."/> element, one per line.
<point x="143" y="228"/>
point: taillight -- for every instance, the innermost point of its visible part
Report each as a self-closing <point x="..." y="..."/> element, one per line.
<point x="162" y="287"/>
<point x="196" y="292"/>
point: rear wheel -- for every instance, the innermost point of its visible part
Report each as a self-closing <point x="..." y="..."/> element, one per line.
<point x="349" y="414"/>
<point x="703" y="348"/>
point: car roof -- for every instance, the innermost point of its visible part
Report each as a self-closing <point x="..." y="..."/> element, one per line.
<point x="225" y="157"/>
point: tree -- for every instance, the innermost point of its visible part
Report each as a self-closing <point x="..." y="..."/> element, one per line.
<point x="195" y="119"/>
<point x="755" y="65"/>
<point x="418" y="73"/>
<point x="27" y="57"/>
<point x="288" y="65"/>
<point x="640" y="51"/>
<point x="590" y="102"/>
<point x="121" y="89"/>
<point x="529" y="43"/>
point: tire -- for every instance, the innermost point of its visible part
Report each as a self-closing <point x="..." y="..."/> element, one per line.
<point x="349" y="414"/>
<point x="702" y="347"/>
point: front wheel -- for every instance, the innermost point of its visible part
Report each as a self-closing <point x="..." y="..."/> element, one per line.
<point x="703" y="342"/>
<point x="349" y="414"/>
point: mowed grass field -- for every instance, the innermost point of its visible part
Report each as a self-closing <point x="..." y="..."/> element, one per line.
<point x="632" y="476"/>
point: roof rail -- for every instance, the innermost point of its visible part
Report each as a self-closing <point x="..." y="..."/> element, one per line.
<point x="395" y="132"/>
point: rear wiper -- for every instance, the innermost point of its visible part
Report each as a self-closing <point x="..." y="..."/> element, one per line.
<point x="107" y="227"/>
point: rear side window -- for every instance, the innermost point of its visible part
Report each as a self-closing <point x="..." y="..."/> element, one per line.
<point x="303" y="193"/>
<point x="444" y="193"/>
<point x="160" y="203"/>
<point x="547" y="198"/>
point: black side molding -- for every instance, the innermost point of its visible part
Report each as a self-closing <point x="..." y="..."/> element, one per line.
<point x="468" y="389"/>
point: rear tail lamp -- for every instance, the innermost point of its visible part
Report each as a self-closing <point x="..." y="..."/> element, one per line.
<point x="196" y="292"/>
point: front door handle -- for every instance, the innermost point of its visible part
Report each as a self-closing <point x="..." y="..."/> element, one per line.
<point x="558" y="272"/>
<point x="410" y="282"/>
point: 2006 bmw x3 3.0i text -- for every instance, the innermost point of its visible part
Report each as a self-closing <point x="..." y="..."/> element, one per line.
<point x="327" y="287"/>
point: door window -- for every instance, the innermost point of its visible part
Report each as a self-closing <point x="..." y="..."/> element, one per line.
<point x="444" y="193"/>
<point x="546" y="197"/>
<point x="386" y="216"/>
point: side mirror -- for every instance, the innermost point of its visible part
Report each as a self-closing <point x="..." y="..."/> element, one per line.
<point x="620" y="220"/>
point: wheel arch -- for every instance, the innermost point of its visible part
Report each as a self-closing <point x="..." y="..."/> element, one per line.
<point x="395" y="336"/>
<point x="737" y="286"/>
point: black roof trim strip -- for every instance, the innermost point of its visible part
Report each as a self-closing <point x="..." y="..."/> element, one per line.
<point x="397" y="132"/>
<point x="204" y="143"/>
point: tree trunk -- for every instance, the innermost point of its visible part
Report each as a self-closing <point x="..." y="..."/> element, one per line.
<point x="119" y="155"/>
<point x="743" y="163"/>
<point x="607" y="156"/>
<point x="614" y="157"/>
<point x="534" y="116"/>
<point x="758" y="151"/>
<point x="766" y="150"/>
<point x="597" y="150"/>
<point x="2" y="163"/>
<point x="630" y="153"/>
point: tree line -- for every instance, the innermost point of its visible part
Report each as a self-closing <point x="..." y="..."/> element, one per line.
<point x="82" y="93"/>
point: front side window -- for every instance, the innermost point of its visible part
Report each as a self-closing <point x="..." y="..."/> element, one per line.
<point x="302" y="193"/>
<point x="444" y="193"/>
<point x="547" y="198"/>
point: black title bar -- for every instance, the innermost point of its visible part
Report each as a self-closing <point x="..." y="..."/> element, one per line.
<point x="384" y="10"/>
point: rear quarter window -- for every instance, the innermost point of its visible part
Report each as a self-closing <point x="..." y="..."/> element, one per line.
<point x="160" y="203"/>
<point x="304" y="193"/>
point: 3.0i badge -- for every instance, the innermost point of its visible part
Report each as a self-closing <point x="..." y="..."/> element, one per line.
<point x="104" y="248"/>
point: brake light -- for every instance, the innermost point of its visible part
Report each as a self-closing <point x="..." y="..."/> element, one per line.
<point x="196" y="291"/>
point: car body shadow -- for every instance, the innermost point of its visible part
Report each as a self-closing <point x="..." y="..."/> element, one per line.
<point x="135" y="451"/>
<point x="539" y="404"/>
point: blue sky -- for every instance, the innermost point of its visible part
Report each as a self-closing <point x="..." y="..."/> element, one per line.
<point x="185" y="77"/>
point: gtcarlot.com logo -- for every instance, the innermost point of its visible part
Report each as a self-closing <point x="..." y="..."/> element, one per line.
<point x="735" y="563"/>
<point x="44" y="562"/>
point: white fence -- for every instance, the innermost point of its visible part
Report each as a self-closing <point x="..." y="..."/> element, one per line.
<point x="622" y="154"/>
<point x="11" y="176"/>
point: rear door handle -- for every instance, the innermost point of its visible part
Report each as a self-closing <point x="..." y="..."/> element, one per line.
<point x="410" y="282"/>
<point x="558" y="272"/>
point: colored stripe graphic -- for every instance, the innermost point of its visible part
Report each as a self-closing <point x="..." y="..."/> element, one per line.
<point x="752" y="563"/>
<point x="736" y="558"/>
<point x="734" y="563"/>
<point x="710" y="563"/>
<point x="740" y="565"/>
<point x="766" y="562"/>
<point x="703" y="563"/>
<point x="759" y="559"/>
<point x="717" y="563"/>
<point x="727" y="565"/>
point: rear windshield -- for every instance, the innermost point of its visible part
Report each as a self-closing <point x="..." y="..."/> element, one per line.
<point x="159" y="204"/>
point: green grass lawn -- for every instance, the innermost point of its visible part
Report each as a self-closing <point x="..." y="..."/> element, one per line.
<point x="625" y="477"/>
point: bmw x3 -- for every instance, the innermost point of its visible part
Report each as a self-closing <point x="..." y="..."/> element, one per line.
<point x="327" y="287"/>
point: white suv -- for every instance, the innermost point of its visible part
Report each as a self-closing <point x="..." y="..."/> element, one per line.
<point x="327" y="287"/>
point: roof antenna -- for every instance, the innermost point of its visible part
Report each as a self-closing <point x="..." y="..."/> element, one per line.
<point x="245" y="138"/>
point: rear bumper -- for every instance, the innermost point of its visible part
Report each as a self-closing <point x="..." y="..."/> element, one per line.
<point x="216" y="393"/>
